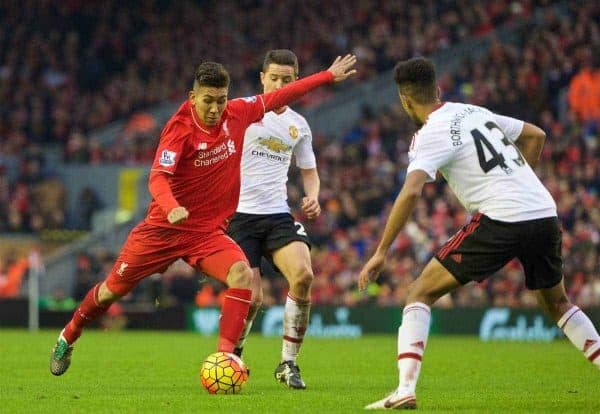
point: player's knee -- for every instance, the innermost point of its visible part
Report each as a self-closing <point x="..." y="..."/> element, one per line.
<point x="240" y="276"/>
<point x="302" y="280"/>
<point x="106" y="296"/>
<point x="418" y="293"/>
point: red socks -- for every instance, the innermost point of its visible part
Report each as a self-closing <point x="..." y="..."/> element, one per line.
<point x="87" y="312"/>
<point x="233" y="316"/>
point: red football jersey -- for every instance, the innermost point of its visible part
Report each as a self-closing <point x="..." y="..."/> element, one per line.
<point x="203" y="163"/>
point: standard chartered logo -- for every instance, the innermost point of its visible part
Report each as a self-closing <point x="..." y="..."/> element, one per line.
<point x="495" y="325"/>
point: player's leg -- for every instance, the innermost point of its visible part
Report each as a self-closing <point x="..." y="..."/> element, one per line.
<point x="229" y="265"/>
<point x="248" y="231"/>
<point x="572" y="321"/>
<point x="433" y="283"/>
<point x="541" y="256"/>
<point x="474" y="253"/>
<point x="139" y="258"/>
<point x="293" y="260"/>
<point x="257" y="298"/>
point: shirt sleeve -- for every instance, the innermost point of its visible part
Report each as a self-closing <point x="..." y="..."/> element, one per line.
<point x="303" y="151"/>
<point x="253" y="108"/>
<point x="158" y="185"/>
<point x="431" y="151"/>
<point x="511" y="127"/>
<point x="250" y="109"/>
<point x="295" y="90"/>
<point x="170" y="147"/>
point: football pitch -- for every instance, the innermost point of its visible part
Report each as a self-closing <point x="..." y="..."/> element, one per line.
<point x="156" y="372"/>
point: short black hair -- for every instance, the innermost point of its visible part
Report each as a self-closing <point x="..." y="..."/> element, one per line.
<point x="211" y="74"/>
<point x="281" y="57"/>
<point x="416" y="78"/>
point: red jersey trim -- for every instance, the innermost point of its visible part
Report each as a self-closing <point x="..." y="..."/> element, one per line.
<point x="263" y="102"/>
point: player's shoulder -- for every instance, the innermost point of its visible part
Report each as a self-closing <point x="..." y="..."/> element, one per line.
<point x="294" y="116"/>
<point x="297" y="124"/>
<point x="456" y="115"/>
<point x="180" y="123"/>
<point x="460" y="109"/>
<point x="236" y="103"/>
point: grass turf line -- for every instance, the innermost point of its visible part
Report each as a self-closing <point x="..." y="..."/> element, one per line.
<point x="159" y="372"/>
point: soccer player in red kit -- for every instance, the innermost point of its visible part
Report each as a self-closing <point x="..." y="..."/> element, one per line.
<point x="195" y="186"/>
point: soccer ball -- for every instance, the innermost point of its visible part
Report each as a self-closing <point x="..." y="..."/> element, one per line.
<point x="223" y="373"/>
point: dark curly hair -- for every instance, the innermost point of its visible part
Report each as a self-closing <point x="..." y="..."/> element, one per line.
<point x="416" y="78"/>
<point x="211" y="74"/>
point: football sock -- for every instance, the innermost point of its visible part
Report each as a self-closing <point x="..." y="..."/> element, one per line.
<point x="89" y="310"/>
<point x="581" y="332"/>
<point x="233" y="316"/>
<point x="254" y="307"/>
<point x="412" y="339"/>
<point x="295" y="322"/>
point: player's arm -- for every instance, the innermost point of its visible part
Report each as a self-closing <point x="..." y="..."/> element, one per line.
<point x="160" y="189"/>
<point x="399" y="215"/>
<point x="527" y="137"/>
<point x="169" y="152"/>
<point x="531" y="142"/>
<point x="255" y="107"/>
<point x="312" y="185"/>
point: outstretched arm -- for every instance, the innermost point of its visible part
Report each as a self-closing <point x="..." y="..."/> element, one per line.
<point x="340" y="70"/>
<point x="401" y="211"/>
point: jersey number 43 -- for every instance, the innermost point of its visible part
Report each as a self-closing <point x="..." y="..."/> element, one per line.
<point x="485" y="141"/>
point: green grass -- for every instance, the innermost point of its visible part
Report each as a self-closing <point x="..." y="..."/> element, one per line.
<point x="158" y="372"/>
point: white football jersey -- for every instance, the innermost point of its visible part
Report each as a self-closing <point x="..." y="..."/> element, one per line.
<point x="474" y="150"/>
<point x="268" y="148"/>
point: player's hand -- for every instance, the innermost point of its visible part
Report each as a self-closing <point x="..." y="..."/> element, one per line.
<point x="177" y="215"/>
<point x="341" y="68"/>
<point x="311" y="207"/>
<point x="371" y="270"/>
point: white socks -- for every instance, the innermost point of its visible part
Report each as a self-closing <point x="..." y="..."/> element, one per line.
<point x="295" y="322"/>
<point x="581" y="332"/>
<point x="412" y="339"/>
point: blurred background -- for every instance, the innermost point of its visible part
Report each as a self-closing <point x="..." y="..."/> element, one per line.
<point x="86" y="86"/>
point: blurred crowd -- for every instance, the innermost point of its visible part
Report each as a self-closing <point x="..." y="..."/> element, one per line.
<point x="362" y="173"/>
<point x="101" y="62"/>
<point x="71" y="67"/>
<point x="31" y="200"/>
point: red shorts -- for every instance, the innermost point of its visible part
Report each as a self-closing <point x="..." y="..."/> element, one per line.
<point x="152" y="249"/>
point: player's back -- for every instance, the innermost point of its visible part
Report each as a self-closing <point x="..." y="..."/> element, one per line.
<point x="474" y="150"/>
